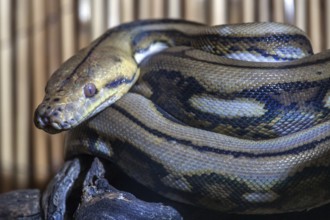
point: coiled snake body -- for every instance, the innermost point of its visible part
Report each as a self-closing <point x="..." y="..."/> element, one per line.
<point x="233" y="118"/>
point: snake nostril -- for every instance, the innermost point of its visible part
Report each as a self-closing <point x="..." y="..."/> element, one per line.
<point x="40" y="121"/>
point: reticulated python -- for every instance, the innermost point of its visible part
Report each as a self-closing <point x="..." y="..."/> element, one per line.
<point x="233" y="118"/>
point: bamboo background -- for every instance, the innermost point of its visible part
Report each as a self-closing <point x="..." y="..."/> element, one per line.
<point x="36" y="36"/>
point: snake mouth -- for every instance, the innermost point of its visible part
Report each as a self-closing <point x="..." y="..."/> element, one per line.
<point x="51" y="120"/>
<point x="50" y="124"/>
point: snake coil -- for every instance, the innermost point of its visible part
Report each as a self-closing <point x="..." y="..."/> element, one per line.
<point x="233" y="118"/>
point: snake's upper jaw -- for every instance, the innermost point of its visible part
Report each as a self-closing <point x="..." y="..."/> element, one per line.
<point x="52" y="118"/>
<point x="46" y="123"/>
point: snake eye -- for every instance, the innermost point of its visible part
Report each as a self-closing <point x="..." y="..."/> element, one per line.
<point x="90" y="90"/>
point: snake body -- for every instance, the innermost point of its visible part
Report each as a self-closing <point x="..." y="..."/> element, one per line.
<point x="233" y="118"/>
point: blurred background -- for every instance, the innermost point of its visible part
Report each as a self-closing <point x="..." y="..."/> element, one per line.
<point x="36" y="36"/>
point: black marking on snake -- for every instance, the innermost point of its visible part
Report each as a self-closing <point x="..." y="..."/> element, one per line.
<point x="293" y="187"/>
<point x="314" y="105"/>
<point x="126" y="154"/>
<point x="287" y="190"/>
<point x="315" y="172"/>
<point x="232" y="188"/>
<point x="90" y="147"/>
<point x="218" y="40"/>
<point x="168" y="116"/>
<point x="285" y="38"/>
<point x="294" y="151"/>
<point x="123" y="147"/>
<point x="168" y="88"/>
<point x="250" y="64"/>
<point x="264" y="53"/>
<point x="172" y="92"/>
<point x="119" y="81"/>
<point x="93" y="138"/>
<point x="234" y="48"/>
<point x="116" y="83"/>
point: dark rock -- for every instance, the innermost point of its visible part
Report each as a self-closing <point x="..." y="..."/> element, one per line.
<point x="20" y="204"/>
<point x="102" y="201"/>
<point x="55" y="196"/>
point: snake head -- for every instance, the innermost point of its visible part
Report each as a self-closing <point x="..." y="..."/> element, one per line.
<point x="84" y="85"/>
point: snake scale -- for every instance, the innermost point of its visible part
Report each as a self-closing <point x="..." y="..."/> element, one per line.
<point x="233" y="118"/>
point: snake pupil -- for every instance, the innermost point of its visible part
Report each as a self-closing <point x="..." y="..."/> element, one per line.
<point x="89" y="90"/>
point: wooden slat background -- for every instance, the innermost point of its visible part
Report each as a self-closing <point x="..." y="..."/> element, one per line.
<point x="36" y="36"/>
